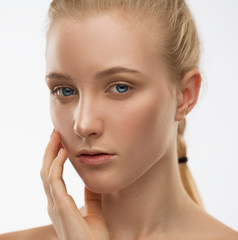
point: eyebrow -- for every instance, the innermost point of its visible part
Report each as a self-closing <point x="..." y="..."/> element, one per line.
<point x="115" y="70"/>
<point x="100" y="75"/>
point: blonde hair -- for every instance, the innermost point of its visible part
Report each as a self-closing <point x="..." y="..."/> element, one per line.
<point x="180" y="46"/>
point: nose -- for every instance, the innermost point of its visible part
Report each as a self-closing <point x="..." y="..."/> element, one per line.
<point x="87" y="123"/>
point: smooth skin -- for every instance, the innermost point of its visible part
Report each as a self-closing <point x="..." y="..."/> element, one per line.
<point x="139" y="194"/>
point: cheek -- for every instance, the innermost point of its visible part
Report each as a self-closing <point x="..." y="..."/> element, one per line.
<point x="62" y="119"/>
<point x="145" y="123"/>
<point x="59" y="115"/>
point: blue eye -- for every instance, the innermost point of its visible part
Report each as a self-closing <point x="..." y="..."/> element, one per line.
<point x="67" y="91"/>
<point x="63" y="91"/>
<point x="121" y="88"/>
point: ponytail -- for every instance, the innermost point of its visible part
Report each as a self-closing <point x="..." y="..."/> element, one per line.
<point x="185" y="173"/>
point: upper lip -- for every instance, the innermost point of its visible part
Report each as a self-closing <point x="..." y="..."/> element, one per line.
<point x="91" y="152"/>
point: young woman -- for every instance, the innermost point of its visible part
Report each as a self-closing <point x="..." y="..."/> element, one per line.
<point x="122" y="75"/>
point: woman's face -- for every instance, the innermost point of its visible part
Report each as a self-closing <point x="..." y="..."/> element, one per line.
<point x="129" y="113"/>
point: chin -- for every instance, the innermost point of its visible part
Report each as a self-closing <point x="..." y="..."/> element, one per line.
<point x="102" y="185"/>
<point x="101" y="182"/>
<point x="99" y="188"/>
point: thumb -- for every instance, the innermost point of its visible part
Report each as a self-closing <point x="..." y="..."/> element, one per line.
<point x="93" y="203"/>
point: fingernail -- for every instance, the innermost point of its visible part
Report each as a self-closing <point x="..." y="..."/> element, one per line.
<point x="52" y="134"/>
<point x="60" y="151"/>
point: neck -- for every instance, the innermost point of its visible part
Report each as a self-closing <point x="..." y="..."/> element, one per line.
<point x="153" y="203"/>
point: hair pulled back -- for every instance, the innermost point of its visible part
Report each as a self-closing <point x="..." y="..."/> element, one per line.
<point x="180" y="46"/>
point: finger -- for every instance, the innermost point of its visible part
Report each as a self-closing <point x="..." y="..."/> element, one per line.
<point x="56" y="183"/>
<point x="63" y="204"/>
<point x="49" y="155"/>
<point x="93" y="203"/>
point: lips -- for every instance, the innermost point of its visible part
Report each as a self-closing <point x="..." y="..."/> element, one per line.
<point x="95" y="159"/>
<point x="94" y="154"/>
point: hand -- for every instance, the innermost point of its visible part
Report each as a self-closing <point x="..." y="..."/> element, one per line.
<point x="68" y="222"/>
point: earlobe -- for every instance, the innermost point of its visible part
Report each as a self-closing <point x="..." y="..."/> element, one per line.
<point x="187" y="93"/>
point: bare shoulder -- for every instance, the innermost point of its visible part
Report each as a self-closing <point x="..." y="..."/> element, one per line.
<point x="233" y="235"/>
<point x="225" y="232"/>
<point x="213" y="229"/>
<point x="38" y="233"/>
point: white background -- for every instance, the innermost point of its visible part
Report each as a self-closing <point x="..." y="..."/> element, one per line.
<point x="25" y="123"/>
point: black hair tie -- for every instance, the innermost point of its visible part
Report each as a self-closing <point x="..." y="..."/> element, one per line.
<point x="182" y="160"/>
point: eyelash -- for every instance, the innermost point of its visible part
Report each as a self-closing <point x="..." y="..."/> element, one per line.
<point x="56" y="89"/>
<point x="122" y="84"/>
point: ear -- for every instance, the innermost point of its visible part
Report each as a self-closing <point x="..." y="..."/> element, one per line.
<point x="187" y="93"/>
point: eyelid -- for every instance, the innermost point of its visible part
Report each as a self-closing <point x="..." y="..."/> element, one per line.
<point x="122" y="83"/>
<point x="57" y="88"/>
<point x="61" y="86"/>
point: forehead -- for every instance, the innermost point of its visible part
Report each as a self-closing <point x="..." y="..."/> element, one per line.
<point x="101" y="41"/>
